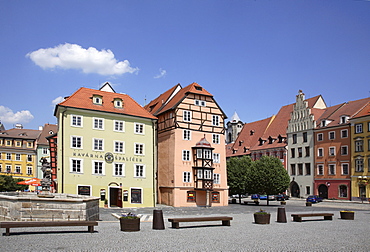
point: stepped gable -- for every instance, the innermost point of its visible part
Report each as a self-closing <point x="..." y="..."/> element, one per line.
<point x="82" y="99"/>
<point x="247" y="138"/>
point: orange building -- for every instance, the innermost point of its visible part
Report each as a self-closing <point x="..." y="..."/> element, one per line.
<point x="191" y="148"/>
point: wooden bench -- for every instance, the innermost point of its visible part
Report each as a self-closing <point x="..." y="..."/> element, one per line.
<point x="225" y="220"/>
<point x="298" y="217"/>
<point x="20" y="224"/>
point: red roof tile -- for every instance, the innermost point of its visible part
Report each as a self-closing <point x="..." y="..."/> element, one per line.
<point x="365" y="111"/>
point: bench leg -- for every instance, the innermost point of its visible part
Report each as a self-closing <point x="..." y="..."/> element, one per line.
<point x="90" y="229"/>
<point x="225" y="223"/>
<point x="7" y="231"/>
<point x="175" y="225"/>
<point x="328" y="217"/>
<point x="297" y="218"/>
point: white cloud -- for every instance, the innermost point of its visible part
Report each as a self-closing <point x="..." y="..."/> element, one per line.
<point x="161" y="74"/>
<point x="57" y="100"/>
<point x="73" y="56"/>
<point x="8" y="116"/>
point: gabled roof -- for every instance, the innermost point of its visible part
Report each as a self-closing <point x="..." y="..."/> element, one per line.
<point x="21" y="134"/>
<point x="82" y="99"/>
<point x="158" y="103"/>
<point x="365" y="111"/>
<point x="48" y="129"/>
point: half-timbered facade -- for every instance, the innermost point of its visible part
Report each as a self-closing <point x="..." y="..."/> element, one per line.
<point x="190" y="171"/>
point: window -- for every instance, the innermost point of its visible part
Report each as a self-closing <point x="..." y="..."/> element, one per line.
<point x="98" y="123"/>
<point x="292" y="153"/>
<point x="118" y="103"/>
<point x="368" y="145"/>
<point x="1" y="168"/>
<point x="308" y="190"/>
<point x="215" y="197"/>
<point x="292" y="169"/>
<point x="139" y="149"/>
<point x="216" y="178"/>
<point x="9" y="169"/>
<point x="320" y="169"/>
<point x="216" y="158"/>
<point x="76" y="165"/>
<point x="320" y="137"/>
<point x="8" y="143"/>
<point x="186" y="177"/>
<point x="139" y="128"/>
<point x="307" y="150"/>
<point x="215" y="120"/>
<point x="187" y="116"/>
<point x="84" y="190"/>
<point x="300" y="152"/>
<point x="207" y="174"/>
<point x="331" y="135"/>
<point x="358" y="128"/>
<point x="345" y="169"/>
<point x="344" y="133"/>
<point x="119" y="147"/>
<point x="18" y="157"/>
<point x="331" y="151"/>
<point x="18" y="144"/>
<point x="199" y="174"/>
<point x="97" y="100"/>
<point x="139" y="171"/>
<point x="331" y="169"/>
<point x="76" y="142"/>
<point x="207" y="154"/>
<point x="187" y="135"/>
<point x="215" y="138"/>
<point x="359" y="165"/>
<point x="29" y="158"/>
<point x="76" y="121"/>
<point x="98" y="167"/>
<point x="359" y="146"/>
<point x="344" y="150"/>
<point x="304" y="137"/>
<point x="200" y="103"/>
<point x="45" y="151"/>
<point x="119" y="126"/>
<point x="119" y="169"/>
<point x="343" y="119"/>
<point x="343" y="191"/>
<point x="185" y="155"/>
<point x="9" y="156"/>
<point x="190" y="196"/>
<point x="300" y="169"/>
<point x="136" y="196"/>
<point x="29" y="144"/>
<point x="17" y="169"/>
<point x="98" y="144"/>
<point x="294" y="138"/>
<point x="320" y="152"/>
<point x="308" y="168"/>
<point x="29" y="170"/>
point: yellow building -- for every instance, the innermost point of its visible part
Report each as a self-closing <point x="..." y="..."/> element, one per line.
<point x="18" y="152"/>
<point x="360" y="170"/>
<point x="106" y="148"/>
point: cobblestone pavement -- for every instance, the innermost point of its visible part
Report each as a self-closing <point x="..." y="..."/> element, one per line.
<point x="242" y="235"/>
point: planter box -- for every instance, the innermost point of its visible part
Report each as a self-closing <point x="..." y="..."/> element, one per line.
<point x="347" y="215"/>
<point x="262" y="218"/>
<point x="130" y="225"/>
<point x="308" y="203"/>
<point x="282" y="203"/>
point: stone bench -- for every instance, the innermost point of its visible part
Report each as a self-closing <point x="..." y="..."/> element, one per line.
<point x="225" y="220"/>
<point x="21" y="224"/>
<point x="256" y="202"/>
<point x="298" y="217"/>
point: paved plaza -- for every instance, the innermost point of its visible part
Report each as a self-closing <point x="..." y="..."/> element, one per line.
<point x="242" y="235"/>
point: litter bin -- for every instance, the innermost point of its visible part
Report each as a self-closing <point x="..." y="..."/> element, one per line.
<point x="158" y="222"/>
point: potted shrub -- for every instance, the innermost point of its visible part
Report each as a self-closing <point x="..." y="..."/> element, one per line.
<point x="282" y="202"/>
<point x="262" y="217"/>
<point x="129" y="222"/>
<point x="347" y="215"/>
<point x="106" y="203"/>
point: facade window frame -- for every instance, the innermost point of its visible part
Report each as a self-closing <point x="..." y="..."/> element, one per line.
<point x="98" y="167"/>
<point x="186" y="177"/>
<point x="358" y="128"/>
<point x="139" y="149"/>
<point x="139" y="171"/>
<point x="119" y="126"/>
<point x="320" y="137"/>
<point x="345" y="168"/>
<point x="186" y="116"/>
<point x="77" y="121"/>
<point x="320" y="169"/>
<point x="76" y="165"/>
<point x="119" y="169"/>
<point x="331" y="135"/>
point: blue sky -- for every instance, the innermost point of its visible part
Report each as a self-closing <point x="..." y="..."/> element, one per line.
<point x="252" y="55"/>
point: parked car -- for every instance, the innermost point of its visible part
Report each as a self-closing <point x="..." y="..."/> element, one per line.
<point x="263" y="197"/>
<point x="255" y="196"/>
<point x="282" y="197"/>
<point x="313" y="199"/>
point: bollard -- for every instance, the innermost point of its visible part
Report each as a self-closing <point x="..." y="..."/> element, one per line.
<point x="158" y="222"/>
<point x="281" y="216"/>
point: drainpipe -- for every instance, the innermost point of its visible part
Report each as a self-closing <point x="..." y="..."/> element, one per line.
<point x="62" y="142"/>
<point x="155" y="162"/>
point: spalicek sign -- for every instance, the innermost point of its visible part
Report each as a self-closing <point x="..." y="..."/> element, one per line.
<point x="108" y="157"/>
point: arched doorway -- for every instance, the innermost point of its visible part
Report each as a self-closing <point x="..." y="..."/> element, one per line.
<point x="294" y="189"/>
<point x="323" y="191"/>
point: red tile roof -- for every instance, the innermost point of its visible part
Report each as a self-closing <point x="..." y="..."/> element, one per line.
<point x="365" y="111"/>
<point x="82" y="99"/>
<point x="47" y="130"/>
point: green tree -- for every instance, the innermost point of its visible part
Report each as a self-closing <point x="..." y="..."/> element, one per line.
<point x="267" y="176"/>
<point x="9" y="184"/>
<point x="237" y="170"/>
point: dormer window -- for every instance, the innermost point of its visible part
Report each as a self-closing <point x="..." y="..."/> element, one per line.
<point x="97" y="99"/>
<point x="118" y="103"/>
<point x="323" y="123"/>
<point x="198" y="88"/>
<point x="344" y="119"/>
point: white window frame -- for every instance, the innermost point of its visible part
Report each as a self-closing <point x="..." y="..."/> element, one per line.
<point x="331" y="135"/>
<point x="141" y="173"/>
<point x="142" y="148"/>
<point x="216" y="138"/>
<point x="45" y="151"/>
<point x="121" y="149"/>
<point x="93" y="162"/>
<point x="139" y="128"/>
<point x="320" y="166"/>
<point x="76" y="147"/>
<point x="186" y="177"/>
<point x="96" y="140"/>
<point x="118" y="126"/>
<point x="216" y="158"/>
<point x="186" y="135"/>
<point x="359" y="145"/>
<point x="98" y="123"/>
<point x="358" y="128"/>
<point x="207" y="154"/>
<point x="342" y="168"/>
<point x="123" y="167"/>
<point x="320" y="150"/>
<point x="71" y="165"/>
<point x="215" y="120"/>
<point x="200" y="103"/>
<point x="216" y="178"/>
<point x="29" y="170"/>
<point x="186" y="116"/>
<point x="77" y="121"/>
<point x="186" y="155"/>
<point x="359" y="165"/>
<point x="207" y="174"/>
